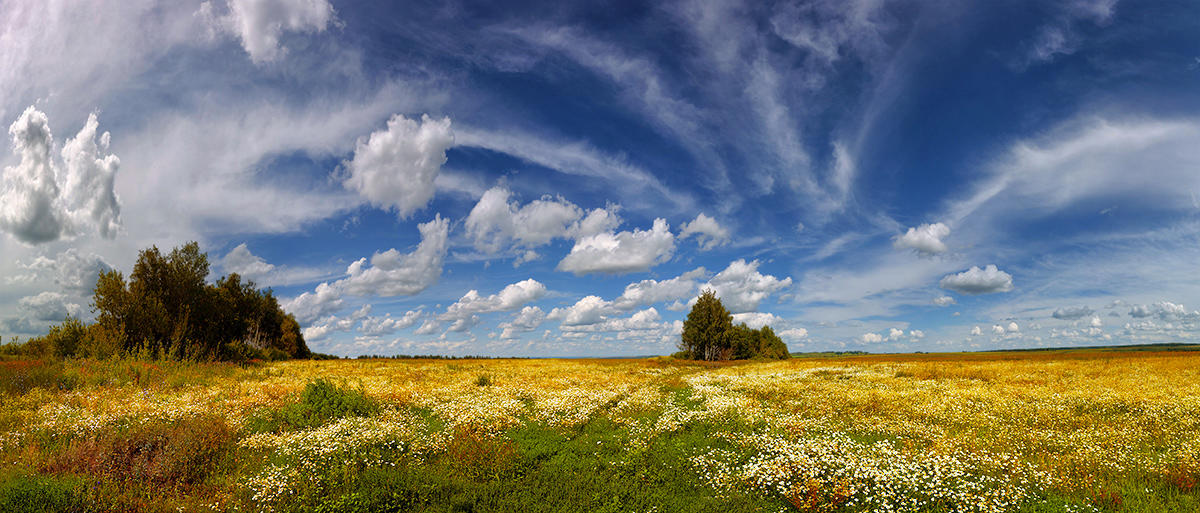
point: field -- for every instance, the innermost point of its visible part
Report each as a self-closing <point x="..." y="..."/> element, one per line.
<point x="1029" y="432"/>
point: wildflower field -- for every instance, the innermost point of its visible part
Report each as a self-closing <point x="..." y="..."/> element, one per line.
<point x="1066" y="431"/>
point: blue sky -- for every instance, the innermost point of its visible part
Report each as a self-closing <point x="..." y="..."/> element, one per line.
<point x="532" y="180"/>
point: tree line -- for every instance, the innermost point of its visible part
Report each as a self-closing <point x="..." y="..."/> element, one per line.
<point x="709" y="334"/>
<point x="167" y="309"/>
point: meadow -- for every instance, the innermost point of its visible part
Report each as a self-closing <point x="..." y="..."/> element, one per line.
<point x="1063" y="431"/>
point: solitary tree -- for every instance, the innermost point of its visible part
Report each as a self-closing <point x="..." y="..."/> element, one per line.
<point x="707" y="330"/>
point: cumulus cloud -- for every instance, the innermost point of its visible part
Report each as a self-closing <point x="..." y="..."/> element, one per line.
<point x="757" y="320"/>
<point x="240" y="260"/>
<point x="310" y="306"/>
<point x="88" y="187"/>
<point x="793" y="334"/>
<point x="496" y="223"/>
<point x="392" y="273"/>
<point x="975" y="281"/>
<point x="621" y="252"/>
<point x="428" y="327"/>
<point x="260" y="24"/>
<point x="741" y="287"/>
<point x="944" y="301"/>
<point x="510" y="298"/>
<point x="388" y="324"/>
<point x="396" y="168"/>
<point x="708" y="232"/>
<point x="72" y="270"/>
<point x="975" y="332"/>
<point x="1164" y="310"/>
<point x="926" y="239"/>
<point x="648" y="292"/>
<point x="588" y="310"/>
<point x="332" y="323"/>
<point x="48" y="306"/>
<point x="43" y="201"/>
<point x="642" y="320"/>
<point x="38" y="312"/>
<point x="870" y="338"/>
<point x="1072" y="313"/>
<point x="528" y="319"/>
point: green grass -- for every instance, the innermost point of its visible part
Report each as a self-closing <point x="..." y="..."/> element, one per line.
<point x="538" y="468"/>
<point x="322" y="401"/>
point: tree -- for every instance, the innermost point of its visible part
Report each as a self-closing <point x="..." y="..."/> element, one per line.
<point x="708" y="329"/>
<point x="167" y="307"/>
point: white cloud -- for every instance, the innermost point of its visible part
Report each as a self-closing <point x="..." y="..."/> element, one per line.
<point x="975" y="332"/>
<point x="388" y="324"/>
<point x="1071" y="313"/>
<point x="1164" y="310"/>
<point x="240" y="260"/>
<point x="793" y="334"/>
<point x="621" y="252"/>
<point x="260" y="24"/>
<point x="640" y="321"/>
<point x="944" y="301"/>
<point x="392" y="273"/>
<point x="1095" y="322"/>
<point x="496" y="223"/>
<point x="647" y="292"/>
<point x="756" y="320"/>
<point x="708" y="232"/>
<point x="396" y="168"/>
<point x="741" y="287"/>
<point x="48" y="306"/>
<point x="88" y="187"/>
<point x="978" y="281"/>
<point x="588" y="310"/>
<point x="310" y="306"/>
<point x="509" y="298"/>
<point x="528" y="319"/>
<point x="998" y="329"/>
<point x="429" y="327"/>
<point x="870" y="338"/>
<point x="926" y="239"/>
<point x="43" y="201"/>
<point x="71" y="270"/>
<point x="895" y="334"/>
<point x="1013" y="327"/>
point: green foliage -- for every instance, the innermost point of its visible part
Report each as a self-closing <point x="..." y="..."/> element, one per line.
<point x="706" y="330"/>
<point x="709" y="334"/>
<point x="167" y="310"/>
<point x="321" y="402"/>
<point x="20" y="492"/>
<point x="483" y="380"/>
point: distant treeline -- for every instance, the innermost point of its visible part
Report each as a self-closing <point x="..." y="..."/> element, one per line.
<point x="435" y="357"/>
<point x="167" y="309"/>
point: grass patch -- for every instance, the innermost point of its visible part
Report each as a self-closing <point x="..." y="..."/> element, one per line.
<point x="322" y="401"/>
<point x="22" y="492"/>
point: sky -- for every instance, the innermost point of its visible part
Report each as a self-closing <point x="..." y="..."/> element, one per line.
<point x="562" y="180"/>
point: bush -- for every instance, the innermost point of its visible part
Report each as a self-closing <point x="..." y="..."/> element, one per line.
<point x="321" y="402"/>
<point x="183" y="451"/>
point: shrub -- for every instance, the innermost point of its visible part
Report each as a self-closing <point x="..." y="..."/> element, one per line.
<point x="483" y="380"/>
<point x="321" y="402"/>
<point x="183" y="451"/>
